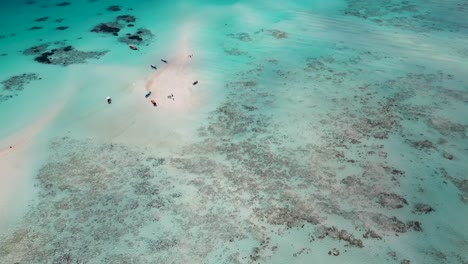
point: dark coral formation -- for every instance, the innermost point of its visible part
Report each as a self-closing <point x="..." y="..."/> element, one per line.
<point x="126" y="18"/>
<point x="114" y="8"/>
<point x="335" y="233"/>
<point x="421" y="208"/>
<point x="391" y="200"/>
<point x="278" y="34"/>
<point x="289" y="217"/>
<point x="61" y="28"/>
<point x="15" y="84"/>
<point x="408" y="15"/>
<point x="36" y="49"/>
<point x="241" y="36"/>
<point x="61" y="54"/>
<point x="111" y="27"/>
<point x="235" y="52"/>
<point x="447" y="127"/>
<point x="142" y="36"/>
<point x="35" y="28"/>
<point x="63" y="4"/>
<point x="42" y="19"/>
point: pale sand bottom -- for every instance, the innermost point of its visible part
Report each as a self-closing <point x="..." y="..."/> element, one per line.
<point x="19" y="155"/>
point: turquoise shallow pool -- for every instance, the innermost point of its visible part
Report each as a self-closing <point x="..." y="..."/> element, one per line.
<point x="318" y="132"/>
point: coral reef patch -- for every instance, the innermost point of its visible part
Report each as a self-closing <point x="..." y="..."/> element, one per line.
<point x="61" y="54"/>
<point x="140" y="37"/>
<point x="15" y="84"/>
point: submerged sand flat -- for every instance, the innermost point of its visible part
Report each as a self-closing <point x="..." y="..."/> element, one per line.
<point x="318" y="132"/>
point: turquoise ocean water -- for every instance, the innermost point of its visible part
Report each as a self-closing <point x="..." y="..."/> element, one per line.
<point x="318" y="132"/>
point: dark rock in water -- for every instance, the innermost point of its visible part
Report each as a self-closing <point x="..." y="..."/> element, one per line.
<point x="335" y="233"/>
<point x="63" y="4"/>
<point x="142" y="37"/>
<point x="126" y="18"/>
<point x="41" y="19"/>
<point x="335" y="252"/>
<point x="35" y="28"/>
<point x="130" y="25"/>
<point x="371" y="234"/>
<point x="416" y="225"/>
<point x="423" y="144"/>
<point x="383" y="222"/>
<point x="107" y="28"/>
<point x="391" y="200"/>
<point x="448" y="156"/>
<point x="135" y="37"/>
<point x="421" y="208"/>
<point x="67" y="48"/>
<point x="44" y="58"/>
<point x="128" y="34"/>
<point x="59" y="20"/>
<point x="114" y="8"/>
<point x="115" y="34"/>
<point x="61" y="28"/>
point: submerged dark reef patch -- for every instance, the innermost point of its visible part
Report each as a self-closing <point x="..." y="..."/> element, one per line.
<point x="410" y="15"/>
<point x="61" y="54"/>
<point x="63" y="4"/>
<point x="15" y="84"/>
<point x="41" y="19"/>
<point x="142" y="36"/>
<point x="114" y="8"/>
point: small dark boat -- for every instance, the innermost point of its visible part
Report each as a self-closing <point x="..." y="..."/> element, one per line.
<point x="133" y="47"/>
<point x="147" y="94"/>
<point x="109" y="100"/>
<point x="154" y="67"/>
<point x="195" y="83"/>
<point x="154" y="103"/>
<point x="165" y="61"/>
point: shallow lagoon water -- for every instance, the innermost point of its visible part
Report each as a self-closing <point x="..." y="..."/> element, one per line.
<point x="329" y="132"/>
